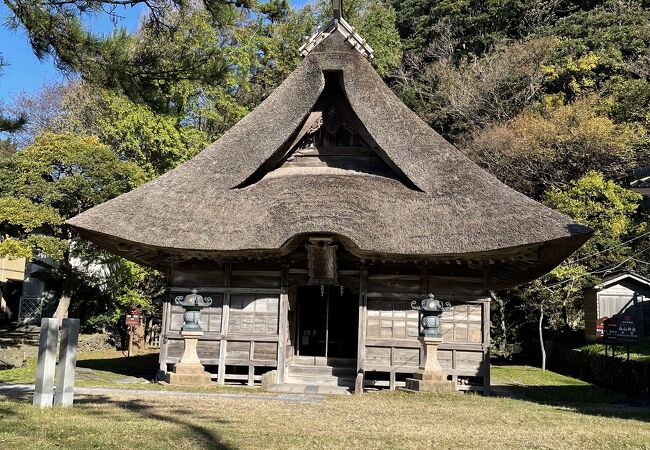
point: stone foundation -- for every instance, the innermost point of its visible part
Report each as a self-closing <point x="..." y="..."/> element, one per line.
<point x="188" y="379"/>
<point x="430" y="377"/>
<point x="430" y="382"/>
<point x="189" y="371"/>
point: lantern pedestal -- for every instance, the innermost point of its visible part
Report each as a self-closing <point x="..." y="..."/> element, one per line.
<point x="430" y="377"/>
<point x="189" y="371"/>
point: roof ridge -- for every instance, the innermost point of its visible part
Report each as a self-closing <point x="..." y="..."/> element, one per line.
<point x="351" y="36"/>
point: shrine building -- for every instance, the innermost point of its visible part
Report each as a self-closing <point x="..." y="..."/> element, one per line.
<point x="315" y="221"/>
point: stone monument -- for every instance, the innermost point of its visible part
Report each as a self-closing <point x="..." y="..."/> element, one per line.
<point x="44" y="386"/>
<point x="189" y="371"/>
<point x="430" y="377"/>
<point x="44" y="393"/>
<point x="64" y="394"/>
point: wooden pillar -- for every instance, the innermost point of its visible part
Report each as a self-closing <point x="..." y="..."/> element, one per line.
<point x="486" y="347"/>
<point x="251" y="365"/>
<point x="221" y="374"/>
<point x="283" y="323"/>
<point x="486" y="331"/>
<point x="361" y="338"/>
<point x="162" y="360"/>
<point x="425" y="289"/>
<point x="225" y="317"/>
<point x="454" y="366"/>
<point x="424" y="281"/>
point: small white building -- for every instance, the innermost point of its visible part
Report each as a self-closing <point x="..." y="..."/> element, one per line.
<point x="625" y="293"/>
<point x="641" y="181"/>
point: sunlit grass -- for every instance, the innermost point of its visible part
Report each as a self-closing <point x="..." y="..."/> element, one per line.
<point x="384" y="420"/>
<point x="548" y="386"/>
<point x="558" y="412"/>
<point x="638" y="352"/>
<point x="109" y="368"/>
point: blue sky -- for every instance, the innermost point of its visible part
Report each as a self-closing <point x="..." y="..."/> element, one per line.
<point x="25" y="73"/>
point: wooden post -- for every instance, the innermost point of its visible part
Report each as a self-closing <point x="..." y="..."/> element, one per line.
<point x="251" y="366"/>
<point x="638" y="303"/>
<point x="283" y="323"/>
<point x="221" y="375"/>
<point x="361" y="338"/>
<point x="44" y="387"/>
<point x="130" y="341"/>
<point x="64" y="395"/>
<point x="162" y="361"/>
<point x="454" y="366"/>
<point x="337" y="7"/>
<point x="225" y="317"/>
<point x="486" y="347"/>
<point x="487" y="387"/>
<point x="424" y="281"/>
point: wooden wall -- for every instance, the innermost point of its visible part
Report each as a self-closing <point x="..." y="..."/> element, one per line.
<point x="391" y="325"/>
<point x="241" y="328"/>
<point x="248" y="324"/>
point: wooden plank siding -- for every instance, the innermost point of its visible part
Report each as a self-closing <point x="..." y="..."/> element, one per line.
<point x="252" y="321"/>
<point x="241" y="328"/>
<point x="392" y="326"/>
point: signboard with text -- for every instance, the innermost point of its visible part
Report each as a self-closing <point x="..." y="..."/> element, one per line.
<point x="620" y="329"/>
<point x="133" y="317"/>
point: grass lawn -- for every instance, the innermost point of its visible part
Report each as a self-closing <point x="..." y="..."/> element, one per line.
<point x="549" y="387"/>
<point x="379" y="420"/>
<point x="109" y="367"/>
<point x="638" y="352"/>
<point x="558" y="412"/>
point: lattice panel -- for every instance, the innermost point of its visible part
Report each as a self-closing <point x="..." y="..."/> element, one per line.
<point x="30" y="308"/>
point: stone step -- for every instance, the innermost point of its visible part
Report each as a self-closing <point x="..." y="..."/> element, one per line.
<point x="300" y="388"/>
<point x="300" y="370"/>
<point x="347" y="382"/>
<point x="324" y="361"/>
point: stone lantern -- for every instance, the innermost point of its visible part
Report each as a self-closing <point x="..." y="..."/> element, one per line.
<point x="189" y="370"/>
<point x="430" y="377"/>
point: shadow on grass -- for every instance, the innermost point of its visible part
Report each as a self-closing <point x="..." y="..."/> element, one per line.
<point x="144" y="366"/>
<point x="206" y="438"/>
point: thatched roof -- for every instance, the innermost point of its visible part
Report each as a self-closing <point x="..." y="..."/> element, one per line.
<point x="447" y="207"/>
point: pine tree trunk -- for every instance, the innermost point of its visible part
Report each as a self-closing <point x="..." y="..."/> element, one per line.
<point x="5" y="312"/>
<point x="541" y="336"/>
<point x="66" y="294"/>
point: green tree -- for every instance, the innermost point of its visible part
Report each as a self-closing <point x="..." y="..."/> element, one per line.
<point x="155" y="142"/>
<point x="552" y="143"/>
<point x="177" y="41"/>
<point x="613" y="212"/>
<point x="55" y="178"/>
<point x="281" y="33"/>
<point x="107" y="286"/>
<point x="610" y="209"/>
<point x="459" y="98"/>
<point x="475" y="25"/>
<point x="9" y="124"/>
<point x="601" y="40"/>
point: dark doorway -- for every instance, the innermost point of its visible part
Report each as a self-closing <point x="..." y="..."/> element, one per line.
<point x="328" y="321"/>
